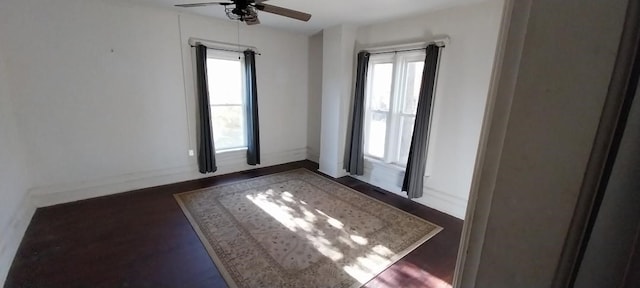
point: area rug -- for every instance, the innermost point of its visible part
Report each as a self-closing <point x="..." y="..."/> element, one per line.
<point x="299" y="229"/>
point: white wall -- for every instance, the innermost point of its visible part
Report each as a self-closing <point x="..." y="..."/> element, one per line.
<point x="460" y="99"/>
<point x="15" y="207"/>
<point x="314" y="116"/>
<point x="338" y="44"/>
<point x="282" y="75"/>
<point x="100" y="94"/>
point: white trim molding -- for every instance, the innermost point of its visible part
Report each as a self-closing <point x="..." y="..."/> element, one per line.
<point x="444" y="202"/>
<point x="229" y="162"/>
<point x="513" y="30"/>
<point x="389" y="177"/>
<point x="13" y="232"/>
<point x="313" y="155"/>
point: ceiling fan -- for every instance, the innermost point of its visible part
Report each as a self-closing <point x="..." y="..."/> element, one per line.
<point x="246" y="10"/>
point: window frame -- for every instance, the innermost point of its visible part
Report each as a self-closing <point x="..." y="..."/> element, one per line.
<point x="230" y="56"/>
<point x="397" y="101"/>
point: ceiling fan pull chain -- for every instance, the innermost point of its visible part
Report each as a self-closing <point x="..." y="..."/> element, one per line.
<point x="238" y="25"/>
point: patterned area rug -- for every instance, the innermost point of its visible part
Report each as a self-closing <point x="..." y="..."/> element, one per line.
<point x="299" y="229"/>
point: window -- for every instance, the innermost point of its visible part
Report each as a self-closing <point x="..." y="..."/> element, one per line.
<point x="226" y="97"/>
<point x="392" y="92"/>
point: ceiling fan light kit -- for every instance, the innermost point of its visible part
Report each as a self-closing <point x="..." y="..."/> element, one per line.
<point x="247" y="10"/>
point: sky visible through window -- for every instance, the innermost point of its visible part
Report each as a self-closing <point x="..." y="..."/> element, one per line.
<point x="410" y="105"/>
<point x="392" y="104"/>
<point x="380" y="100"/>
<point x="225" y="97"/>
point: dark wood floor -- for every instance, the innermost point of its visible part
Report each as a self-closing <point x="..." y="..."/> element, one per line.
<point x="142" y="239"/>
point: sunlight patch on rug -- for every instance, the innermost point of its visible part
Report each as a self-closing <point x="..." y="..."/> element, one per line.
<point x="299" y="229"/>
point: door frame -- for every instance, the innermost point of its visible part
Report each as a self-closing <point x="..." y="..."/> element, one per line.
<point x="622" y="90"/>
<point x="506" y="66"/>
<point x="511" y="38"/>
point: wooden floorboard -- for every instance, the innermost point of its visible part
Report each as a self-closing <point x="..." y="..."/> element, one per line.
<point x="142" y="239"/>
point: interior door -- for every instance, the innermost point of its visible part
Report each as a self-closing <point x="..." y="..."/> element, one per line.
<point x="611" y="258"/>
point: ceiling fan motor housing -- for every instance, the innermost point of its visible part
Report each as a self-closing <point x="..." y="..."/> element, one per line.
<point x="246" y="10"/>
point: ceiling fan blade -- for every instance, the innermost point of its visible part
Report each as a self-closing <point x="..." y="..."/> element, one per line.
<point x="259" y="1"/>
<point x="284" y="12"/>
<point x="202" y="4"/>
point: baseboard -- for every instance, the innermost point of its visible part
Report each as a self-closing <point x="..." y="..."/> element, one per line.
<point x="227" y="163"/>
<point x="383" y="176"/>
<point x="444" y="202"/>
<point x="69" y="192"/>
<point x="390" y="179"/>
<point x="313" y="155"/>
<point x="13" y="233"/>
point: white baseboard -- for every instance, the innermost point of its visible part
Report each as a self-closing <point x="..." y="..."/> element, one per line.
<point x="332" y="169"/>
<point x="444" y="202"/>
<point x="69" y="192"/>
<point x="227" y="163"/>
<point x="390" y="179"/>
<point x="313" y="155"/>
<point x="13" y="233"/>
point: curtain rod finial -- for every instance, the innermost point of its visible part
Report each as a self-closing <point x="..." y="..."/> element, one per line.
<point x="444" y="42"/>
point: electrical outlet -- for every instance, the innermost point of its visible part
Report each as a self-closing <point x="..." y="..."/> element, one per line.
<point x="191" y="153"/>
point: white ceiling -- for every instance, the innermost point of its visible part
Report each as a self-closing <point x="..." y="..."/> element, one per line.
<point x="326" y="13"/>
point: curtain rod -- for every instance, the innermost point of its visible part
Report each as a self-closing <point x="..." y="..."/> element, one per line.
<point x="397" y="51"/>
<point x="222" y="46"/>
<point x="440" y="42"/>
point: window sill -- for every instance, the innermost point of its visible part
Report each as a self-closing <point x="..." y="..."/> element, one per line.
<point x="229" y="151"/>
<point x="384" y="164"/>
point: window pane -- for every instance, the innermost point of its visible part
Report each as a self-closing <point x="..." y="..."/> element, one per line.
<point x="375" y="142"/>
<point x="227" y="123"/>
<point x="406" y="132"/>
<point x="225" y="81"/>
<point x="412" y="86"/>
<point x="381" y="86"/>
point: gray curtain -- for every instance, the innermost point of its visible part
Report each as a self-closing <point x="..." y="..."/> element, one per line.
<point x="206" y="147"/>
<point x="354" y="154"/>
<point x="253" y="127"/>
<point x="414" y="173"/>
